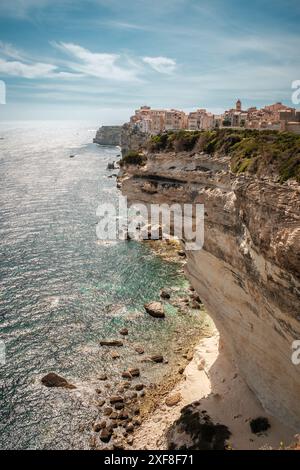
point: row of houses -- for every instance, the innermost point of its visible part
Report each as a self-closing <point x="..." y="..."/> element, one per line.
<point x="276" y="117"/>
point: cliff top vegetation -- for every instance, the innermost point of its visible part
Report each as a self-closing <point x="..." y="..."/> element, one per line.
<point x="265" y="153"/>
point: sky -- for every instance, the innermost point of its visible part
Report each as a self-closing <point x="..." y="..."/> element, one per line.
<point x="101" y="59"/>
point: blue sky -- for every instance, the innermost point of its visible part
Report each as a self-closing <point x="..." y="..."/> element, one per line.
<point x="100" y="59"/>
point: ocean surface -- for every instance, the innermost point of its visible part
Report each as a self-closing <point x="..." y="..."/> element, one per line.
<point x="62" y="290"/>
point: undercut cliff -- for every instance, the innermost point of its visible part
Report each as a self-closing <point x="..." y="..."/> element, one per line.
<point x="248" y="272"/>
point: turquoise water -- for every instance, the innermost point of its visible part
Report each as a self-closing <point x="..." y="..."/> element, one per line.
<point x="62" y="290"/>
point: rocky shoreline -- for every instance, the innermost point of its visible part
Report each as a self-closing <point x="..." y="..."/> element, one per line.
<point x="126" y="411"/>
<point x="122" y="405"/>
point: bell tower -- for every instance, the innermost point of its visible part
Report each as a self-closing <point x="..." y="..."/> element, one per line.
<point x="238" y="105"/>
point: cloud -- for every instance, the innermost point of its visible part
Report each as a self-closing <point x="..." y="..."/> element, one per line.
<point x="21" y="8"/>
<point x="8" y="50"/>
<point x="161" y="64"/>
<point x="35" y="70"/>
<point x="19" y="69"/>
<point x="125" y="25"/>
<point x="14" y="62"/>
<point x="85" y="64"/>
<point x="101" y="65"/>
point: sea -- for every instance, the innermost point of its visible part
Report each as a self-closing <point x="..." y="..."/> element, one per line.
<point x="62" y="290"/>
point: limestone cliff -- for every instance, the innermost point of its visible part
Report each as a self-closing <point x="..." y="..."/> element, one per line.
<point x="248" y="272"/>
<point x="132" y="139"/>
<point x="108" y="135"/>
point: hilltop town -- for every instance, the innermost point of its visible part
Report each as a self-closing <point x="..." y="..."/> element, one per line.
<point x="272" y="117"/>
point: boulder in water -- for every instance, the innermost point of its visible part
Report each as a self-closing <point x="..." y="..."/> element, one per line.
<point x="165" y="294"/>
<point x="139" y="349"/>
<point x="55" y="380"/>
<point x="155" y="309"/>
<point x="113" y="342"/>
<point x="124" y="332"/>
<point x="158" y="358"/>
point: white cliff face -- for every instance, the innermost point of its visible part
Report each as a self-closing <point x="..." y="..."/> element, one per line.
<point x="108" y="135"/>
<point x="248" y="272"/>
<point x="132" y="139"/>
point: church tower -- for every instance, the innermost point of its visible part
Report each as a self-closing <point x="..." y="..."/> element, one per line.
<point x="238" y="105"/>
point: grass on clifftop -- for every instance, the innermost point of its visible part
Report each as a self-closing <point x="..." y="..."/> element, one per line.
<point x="265" y="153"/>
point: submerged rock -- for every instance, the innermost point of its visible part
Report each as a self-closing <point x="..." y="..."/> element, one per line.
<point x="155" y="309"/>
<point x="157" y="358"/>
<point x="139" y="387"/>
<point x="98" y="426"/>
<point x="165" y="294"/>
<point x="116" y="399"/>
<point x="105" y="435"/>
<point x="124" y="332"/>
<point x="194" y="430"/>
<point x="107" y="411"/>
<point x="55" y="380"/>
<point x="134" y="372"/>
<point x="139" y="349"/>
<point x="102" y="377"/>
<point x="126" y="374"/>
<point x="119" y="406"/>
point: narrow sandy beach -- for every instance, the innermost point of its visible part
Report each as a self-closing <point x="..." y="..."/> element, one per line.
<point x="211" y="379"/>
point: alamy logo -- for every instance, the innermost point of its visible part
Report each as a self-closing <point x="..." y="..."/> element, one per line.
<point x="152" y="221"/>
<point x="2" y="353"/>
<point x="296" y="352"/>
<point x="296" y="93"/>
<point x="2" y="92"/>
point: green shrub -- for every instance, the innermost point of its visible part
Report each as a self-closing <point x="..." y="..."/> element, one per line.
<point x="263" y="152"/>
<point x="133" y="158"/>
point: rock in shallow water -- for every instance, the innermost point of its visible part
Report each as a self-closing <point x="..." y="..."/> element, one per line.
<point x="55" y="380"/>
<point x="155" y="309"/>
<point x="116" y="399"/>
<point x="102" y="377"/>
<point x="113" y="342"/>
<point x="105" y="435"/>
<point x="157" y="358"/>
<point x="139" y="349"/>
<point x="124" y="332"/>
<point x="165" y="294"/>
